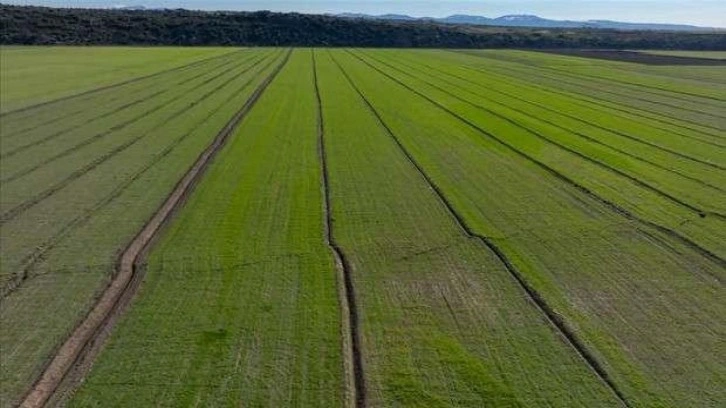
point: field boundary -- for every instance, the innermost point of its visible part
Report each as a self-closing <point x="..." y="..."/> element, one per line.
<point x="109" y="306"/>
<point x="350" y="323"/>
<point x="117" y="84"/>
<point x="557" y="322"/>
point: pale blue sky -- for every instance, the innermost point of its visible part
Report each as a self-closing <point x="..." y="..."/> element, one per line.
<point x="699" y="12"/>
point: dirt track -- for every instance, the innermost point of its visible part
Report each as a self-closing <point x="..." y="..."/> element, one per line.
<point x="121" y="289"/>
<point x="350" y="323"/>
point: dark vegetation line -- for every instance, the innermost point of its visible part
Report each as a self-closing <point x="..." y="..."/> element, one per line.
<point x="118" y="127"/>
<point x="558" y="323"/>
<point x="85" y="341"/>
<point x="111" y="112"/>
<point x="31" y="202"/>
<point x="116" y="85"/>
<point x="117" y="97"/>
<point x="604" y="103"/>
<point x="639" y="57"/>
<point x="42" y="25"/>
<point x="341" y="260"/>
<point x="578" y="119"/>
<point x="552" y="123"/>
<point x="702" y="213"/>
<point x="30" y="261"/>
<point x="567" y="180"/>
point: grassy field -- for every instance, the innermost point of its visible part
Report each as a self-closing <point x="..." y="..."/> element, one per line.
<point x="32" y="75"/>
<point x="78" y="187"/>
<point x="383" y="228"/>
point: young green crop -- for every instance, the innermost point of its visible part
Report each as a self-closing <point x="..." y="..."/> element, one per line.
<point x="629" y="290"/>
<point x="65" y="221"/>
<point x="32" y="75"/>
<point x="239" y="304"/>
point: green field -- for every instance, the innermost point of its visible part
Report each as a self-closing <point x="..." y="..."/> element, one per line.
<point x="382" y="228"/>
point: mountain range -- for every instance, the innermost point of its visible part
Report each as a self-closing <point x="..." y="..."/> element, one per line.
<point x="526" y="20"/>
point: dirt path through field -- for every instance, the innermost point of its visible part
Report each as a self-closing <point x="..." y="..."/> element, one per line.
<point x="122" y="288"/>
<point x="350" y="332"/>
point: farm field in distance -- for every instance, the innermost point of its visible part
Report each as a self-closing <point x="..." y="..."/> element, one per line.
<point x="361" y="228"/>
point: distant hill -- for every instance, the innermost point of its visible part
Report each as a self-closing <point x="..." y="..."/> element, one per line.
<point x="526" y="20"/>
<point x="42" y="25"/>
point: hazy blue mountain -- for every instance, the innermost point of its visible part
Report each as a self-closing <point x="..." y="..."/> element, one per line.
<point x="526" y="20"/>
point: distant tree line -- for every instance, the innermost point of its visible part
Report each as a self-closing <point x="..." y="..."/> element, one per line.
<point x="46" y="26"/>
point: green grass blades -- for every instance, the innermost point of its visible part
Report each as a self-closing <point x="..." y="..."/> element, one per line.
<point x="239" y="304"/>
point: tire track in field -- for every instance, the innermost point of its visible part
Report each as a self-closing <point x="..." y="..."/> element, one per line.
<point x="699" y="211"/>
<point x="604" y="103"/>
<point x="112" y="112"/>
<point x="30" y="261"/>
<point x="567" y="180"/>
<point x="38" y="198"/>
<point x="352" y="350"/>
<point x="115" y="85"/>
<point x="554" y="124"/>
<point x="118" y="127"/>
<point x="573" y="117"/>
<point x="553" y="318"/>
<point x="74" y="113"/>
<point x="592" y="99"/>
<point x="87" y="338"/>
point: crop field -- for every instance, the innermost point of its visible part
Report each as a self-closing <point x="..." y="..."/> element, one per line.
<point x="360" y="228"/>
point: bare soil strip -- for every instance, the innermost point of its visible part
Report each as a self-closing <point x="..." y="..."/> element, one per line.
<point x="350" y="332"/>
<point x="553" y="318"/>
<point x="638" y="57"/>
<point x="566" y="179"/>
<point x="103" y="315"/>
<point x="117" y="84"/>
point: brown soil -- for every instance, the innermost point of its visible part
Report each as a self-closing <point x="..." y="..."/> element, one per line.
<point x="102" y="317"/>
<point x="639" y="57"/>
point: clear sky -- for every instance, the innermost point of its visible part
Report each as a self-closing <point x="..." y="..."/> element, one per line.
<point x="699" y="12"/>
